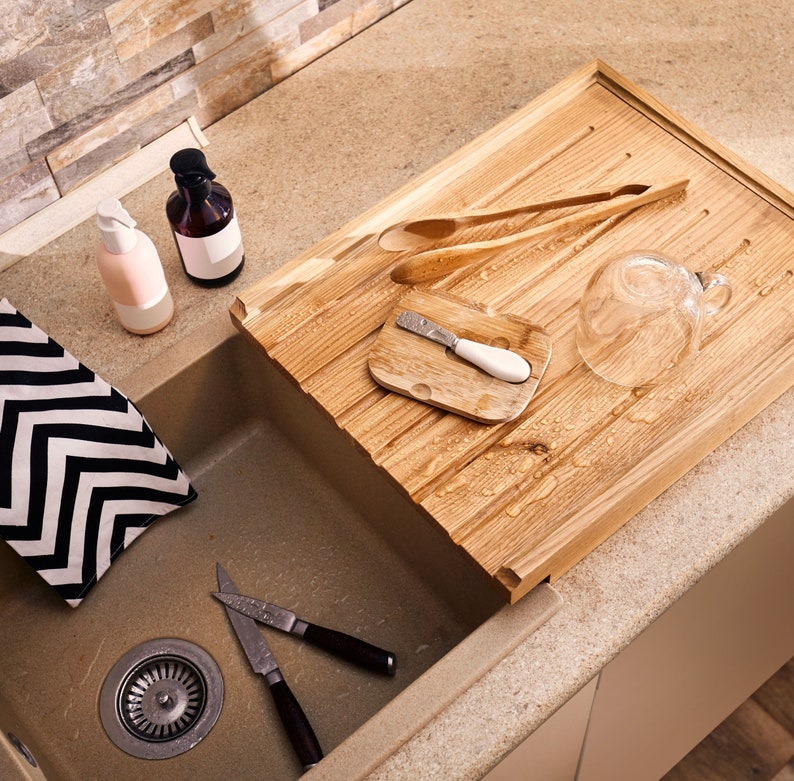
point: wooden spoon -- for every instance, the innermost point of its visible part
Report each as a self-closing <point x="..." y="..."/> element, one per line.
<point x="415" y="233"/>
<point x="432" y="264"/>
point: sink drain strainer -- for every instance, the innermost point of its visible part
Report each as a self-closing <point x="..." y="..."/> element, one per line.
<point x="161" y="698"/>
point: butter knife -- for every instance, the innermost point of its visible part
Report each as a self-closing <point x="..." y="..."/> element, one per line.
<point x="260" y="657"/>
<point x="496" y="361"/>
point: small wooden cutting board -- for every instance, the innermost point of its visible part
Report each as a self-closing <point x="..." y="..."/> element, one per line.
<point x="414" y="366"/>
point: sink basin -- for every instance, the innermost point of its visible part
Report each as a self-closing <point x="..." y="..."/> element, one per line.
<point x="296" y="515"/>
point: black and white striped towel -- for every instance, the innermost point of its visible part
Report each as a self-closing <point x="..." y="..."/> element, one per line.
<point x="81" y="472"/>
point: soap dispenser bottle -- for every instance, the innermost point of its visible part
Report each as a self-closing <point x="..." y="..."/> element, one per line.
<point x="131" y="271"/>
<point x="203" y="221"/>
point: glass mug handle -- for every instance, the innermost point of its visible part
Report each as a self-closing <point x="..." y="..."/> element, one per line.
<point x="717" y="291"/>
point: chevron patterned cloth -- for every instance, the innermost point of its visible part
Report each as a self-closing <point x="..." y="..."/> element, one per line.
<point x="81" y="472"/>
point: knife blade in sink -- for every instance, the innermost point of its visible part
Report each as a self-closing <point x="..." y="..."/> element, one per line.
<point x="496" y="361"/>
<point x="260" y="657"/>
<point x="338" y="643"/>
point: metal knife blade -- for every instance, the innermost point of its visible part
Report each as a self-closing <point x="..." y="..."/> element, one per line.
<point x="413" y="321"/>
<point x="255" y="646"/>
<point x="498" y="362"/>
<point x="259" y="610"/>
<point x="297" y="726"/>
<point x="338" y="643"/>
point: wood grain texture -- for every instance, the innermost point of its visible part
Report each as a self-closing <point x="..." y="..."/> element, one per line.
<point x="412" y="365"/>
<point x="428" y="265"/>
<point x="755" y="742"/>
<point x="528" y="498"/>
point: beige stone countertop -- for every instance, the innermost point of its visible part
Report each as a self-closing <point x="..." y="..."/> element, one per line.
<point x="337" y="137"/>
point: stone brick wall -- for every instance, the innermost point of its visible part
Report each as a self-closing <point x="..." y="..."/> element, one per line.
<point x="84" y="83"/>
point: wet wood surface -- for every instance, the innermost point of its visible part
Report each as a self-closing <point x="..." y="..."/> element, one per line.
<point x="528" y="498"/>
<point x="416" y="367"/>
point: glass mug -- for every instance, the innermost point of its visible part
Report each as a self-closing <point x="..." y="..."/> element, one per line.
<point x="641" y="317"/>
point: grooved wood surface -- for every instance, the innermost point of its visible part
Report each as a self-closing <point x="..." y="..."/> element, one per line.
<point x="528" y="498"/>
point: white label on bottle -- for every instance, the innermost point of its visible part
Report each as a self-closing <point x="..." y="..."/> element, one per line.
<point x="147" y="317"/>
<point x="211" y="257"/>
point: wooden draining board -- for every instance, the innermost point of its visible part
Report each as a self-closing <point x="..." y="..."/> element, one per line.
<point x="416" y="367"/>
<point x="528" y="498"/>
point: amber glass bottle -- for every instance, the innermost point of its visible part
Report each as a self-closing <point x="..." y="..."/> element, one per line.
<point x="203" y="221"/>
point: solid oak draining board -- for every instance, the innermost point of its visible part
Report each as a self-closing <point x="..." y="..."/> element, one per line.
<point x="527" y="499"/>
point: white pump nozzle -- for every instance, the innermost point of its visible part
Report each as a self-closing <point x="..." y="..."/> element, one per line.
<point x="116" y="226"/>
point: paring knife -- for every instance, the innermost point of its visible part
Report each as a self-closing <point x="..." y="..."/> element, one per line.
<point x="338" y="643"/>
<point x="496" y="361"/>
<point x="293" y="718"/>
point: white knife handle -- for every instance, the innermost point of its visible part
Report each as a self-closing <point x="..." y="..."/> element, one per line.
<point x="498" y="362"/>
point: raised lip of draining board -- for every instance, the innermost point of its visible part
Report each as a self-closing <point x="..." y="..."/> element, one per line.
<point x="528" y="498"/>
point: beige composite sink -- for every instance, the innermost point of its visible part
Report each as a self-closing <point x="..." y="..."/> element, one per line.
<point x="296" y="515"/>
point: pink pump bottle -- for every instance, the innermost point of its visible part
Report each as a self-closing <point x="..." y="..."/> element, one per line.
<point x="131" y="271"/>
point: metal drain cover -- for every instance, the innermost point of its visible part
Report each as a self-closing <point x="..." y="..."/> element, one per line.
<point x="161" y="698"/>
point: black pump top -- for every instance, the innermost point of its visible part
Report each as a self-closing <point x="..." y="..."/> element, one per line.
<point x="190" y="167"/>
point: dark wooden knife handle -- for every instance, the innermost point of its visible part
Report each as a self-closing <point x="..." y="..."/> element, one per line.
<point x="351" y="648"/>
<point x="299" y="731"/>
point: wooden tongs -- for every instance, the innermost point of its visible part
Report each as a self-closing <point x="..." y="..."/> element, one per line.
<point x="434" y="263"/>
